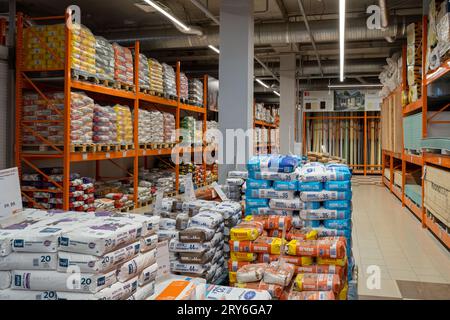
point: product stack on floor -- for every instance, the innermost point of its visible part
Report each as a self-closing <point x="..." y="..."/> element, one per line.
<point x="73" y="255"/>
<point x="311" y="206"/>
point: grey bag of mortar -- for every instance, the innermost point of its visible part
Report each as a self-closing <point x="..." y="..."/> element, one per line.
<point x="28" y="261"/>
<point x="149" y="243"/>
<point x="195" y="257"/>
<point x="196" y="234"/>
<point x="177" y="246"/>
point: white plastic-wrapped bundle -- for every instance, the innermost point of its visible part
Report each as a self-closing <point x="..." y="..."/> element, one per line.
<point x="169" y="80"/>
<point x="195" y="91"/>
<point x="184" y="87"/>
<point x="157" y="127"/>
<point x="144" y="77"/>
<point x="124" y="124"/>
<point x="123" y="65"/>
<point x="104" y="124"/>
<point x="83" y="50"/>
<point x="169" y="127"/>
<point x="188" y="130"/>
<point x="81" y="118"/>
<point x="104" y="59"/>
<point x="211" y="132"/>
<point x="144" y="128"/>
<point x="156" y="76"/>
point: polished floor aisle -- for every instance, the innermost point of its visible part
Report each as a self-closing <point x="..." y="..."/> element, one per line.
<point x="396" y="258"/>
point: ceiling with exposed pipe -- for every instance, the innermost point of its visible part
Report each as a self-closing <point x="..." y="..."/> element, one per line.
<point x="281" y="26"/>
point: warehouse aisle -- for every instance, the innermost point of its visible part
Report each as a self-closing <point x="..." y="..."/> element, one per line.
<point x="412" y="263"/>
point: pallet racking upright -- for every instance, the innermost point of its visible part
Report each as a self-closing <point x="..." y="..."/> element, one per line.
<point x="39" y="80"/>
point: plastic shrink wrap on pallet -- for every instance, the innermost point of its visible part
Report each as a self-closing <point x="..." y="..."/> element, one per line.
<point x="196" y="92"/>
<point x="169" y="80"/>
<point x="123" y="65"/>
<point x="104" y="59"/>
<point x="81" y="118"/>
<point x="124" y="124"/>
<point x="184" y="87"/>
<point x="156" y="76"/>
<point x="104" y="128"/>
<point x="144" y="73"/>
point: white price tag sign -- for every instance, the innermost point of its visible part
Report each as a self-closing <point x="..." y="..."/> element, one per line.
<point x="219" y="191"/>
<point x="10" y="197"/>
<point x="189" y="192"/>
<point x="158" y="202"/>
<point x="107" y="155"/>
<point x="84" y="156"/>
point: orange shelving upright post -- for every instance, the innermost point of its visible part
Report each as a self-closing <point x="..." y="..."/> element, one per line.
<point x="404" y="89"/>
<point x="19" y="88"/>
<point x="204" y="115"/>
<point x="136" y="126"/>
<point x="177" y="127"/>
<point x="424" y="106"/>
<point x="365" y="143"/>
<point x="67" y="103"/>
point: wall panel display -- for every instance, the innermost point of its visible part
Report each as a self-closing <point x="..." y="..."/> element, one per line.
<point x="349" y="100"/>
<point x="318" y="101"/>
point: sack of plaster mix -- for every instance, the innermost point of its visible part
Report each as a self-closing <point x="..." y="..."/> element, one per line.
<point x="285" y="185"/>
<point x="338" y="185"/>
<point x="135" y="266"/>
<point x="273" y="163"/>
<point x="256" y="203"/>
<point x="338" y="205"/>
<point x="344" y="224"/>
<point x="324" y="214"/>
<point x="310" y="186"/>
<point x="269" y="194"/>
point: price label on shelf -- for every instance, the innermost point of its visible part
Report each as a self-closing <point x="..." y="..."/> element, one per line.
<point x="124" y="154"/>
<point x="159" y="151"/>
<point x="107" y="155"/>
<point x="84" y="156"/>
<point x="10" y="197"/>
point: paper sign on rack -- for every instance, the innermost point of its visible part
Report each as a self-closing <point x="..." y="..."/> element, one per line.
<point x="189" y="192"/>
<point x="219" y="191"/>
<point x="10" y="197"/>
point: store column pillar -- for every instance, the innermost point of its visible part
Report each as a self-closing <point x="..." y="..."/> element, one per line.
<point x="236" y="83"/>
<point x="288" y="102"/>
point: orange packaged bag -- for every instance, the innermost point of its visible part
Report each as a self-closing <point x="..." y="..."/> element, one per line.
<point x="274" y="222"/>
<point x="343" y="239"/>
<point x="249" y="230"/>
<point x="311" y="295"/>
<point x="243" y="256"/>
<point x="325" y="269"/>
<point x="317" y="282"/>
<point x="317" y="248"/>
<point x="234" y="266"/>
<point x="301" y="234"/>
<point x="251" y="272"/>
<point x="279" y="272"/>
<point x="298" y="261"/>
<point x="275" y="290"/>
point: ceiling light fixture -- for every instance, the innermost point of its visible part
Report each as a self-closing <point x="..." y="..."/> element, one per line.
<point x="342" y="37"/>
<point x="168" y="15"/>
<point x="262" y="83"/>
<point x="351" y="86"/>
<point x="276" y="92"/>
<point x="214" y="49"/>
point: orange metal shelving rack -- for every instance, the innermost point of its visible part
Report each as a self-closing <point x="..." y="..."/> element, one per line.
<point x="424" y="158"/>
<point x="135" y="99"/>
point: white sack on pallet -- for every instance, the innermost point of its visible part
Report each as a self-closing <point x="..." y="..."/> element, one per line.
<point x="136" y="265"/>
<point x="149" y="243"/>
<point x="93" y="264"/>
<point x="148" y="274"/>
<point x="58" y="281"/>
<point x="208" y="219"/>
<point x="29" y="261"/>
<point x="176" y="246"/>
<point x="9" y="294"/>
<point x="144" y="292"/>
<point x="5" y="279"/>
<point x="150" y="224"/>
<point x="101" y="236"/>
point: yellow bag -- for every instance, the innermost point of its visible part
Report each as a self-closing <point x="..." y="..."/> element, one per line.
<point x="243" y="256"/>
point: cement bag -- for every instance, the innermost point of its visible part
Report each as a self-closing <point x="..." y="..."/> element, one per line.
<point x="149" y="243"/>
<point x="247" y="231"/>
<point x="258" y="184"/>
<point x="269" y="194"/>
<point x="310" y="186"/>
<point x="301" y="234"/>
<point x="148" y="275"/>
<point x="177" y="246"/>
<point x="298" y="223"/>
<point x="322" y="269"/>
<point x="324" y="232"/>
<point x="238" y="174"/>
<point x="342" y="262"/>
<point x="197" y="257"/>
<point x="267" y="212"/>
<point x="5" y="280"/>
<point x="311" y="295"/>
<point x="29" y="261"/>
<point x="251" y="272"/>
<point x="274" y="222"/>
<point x="150" y="224"/>
<point x="214" y="292"/>
<point x="101" y="236"/>
<point x="274" y="290"/>
<point x="285" y="185"/>
<point x="317" y="248"/>
<point x="235" y="181"/>
<point x="196" y="234"/>
<point x="208" y="219"/>
<point x="344" y="224"/>
<point x="273" y="176"/>
<point x="317" y="282"/>
<point x="136" y="265"/>
<point x="312" y="172"/>
<point x="218" y="255"/>
<point x="292" y="205"/>
<point x="58" y="281"/>
<point x="234" y="266"/>
<point x="279" y="273"/>
<point x="324" y="214"/>
<point x="167" y="235"/>
<point x="309" y="196"/>
<point x="198" y="269"/>
<point x="338" y="205"/>
<point x="215" y="241"/>
<point x="93" y="264"/>
<point x="273" y="163"/>
<point x="260" y="245"/>
<point x="9" y="294"/>
<point x="338" y="185"/>
<point x="243" y="256"/>
<point x="143" y="292"/>
<point x="168" y="224"/>
<point x="256" y="203"/>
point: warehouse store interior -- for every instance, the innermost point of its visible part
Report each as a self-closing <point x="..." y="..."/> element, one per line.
<point x="225" y="150"/>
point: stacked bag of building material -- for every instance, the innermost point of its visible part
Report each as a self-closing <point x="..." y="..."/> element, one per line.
<point x="157" y="127"/>
<point x="198" y="133"/>
<point x="104" y="59"/>
<point x="37" y="40"/>
<point x="196" y="92"/>
<point x="144" y="73"/>
<point x="169" y="81"/>
<point x="37" y="108"/>
<point x="188" y="130"/>
<point x="414" y="61"/>
<point x="113" y="193"/>
<point x="235" y="184"/>
<point x="184" y="87"/>
<point x="144" y="126"/>
<point x="81" y="118"/>
<point x="124" y="124"/>
<point x="212" y="128"/>
<point x="123" y="65"/>
<point x="104" y="129"/>
<point x="43" y="257"/>
<point x="232" y="215"/>
<point x="83" y="51"/>
<point x="156" y="76"/>
<point x="169" y="127"/>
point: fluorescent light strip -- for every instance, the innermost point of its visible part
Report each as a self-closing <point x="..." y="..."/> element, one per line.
<point x="336" y="86"/>
<point x="262" y="83"/>
<point x="168" y="15"/>
<point x="342" y="37"/>
<point x="276" y="93"/>
<point x="214" y="49"/>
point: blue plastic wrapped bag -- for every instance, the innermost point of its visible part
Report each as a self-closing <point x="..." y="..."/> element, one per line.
<point x="338" y="205"/>
<point x="258" y="184"/>
<point x="285" y="185"/>
<point x="341" y="224"/>
<point x="338" y="185"/>
<point x="310" y="186"/>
